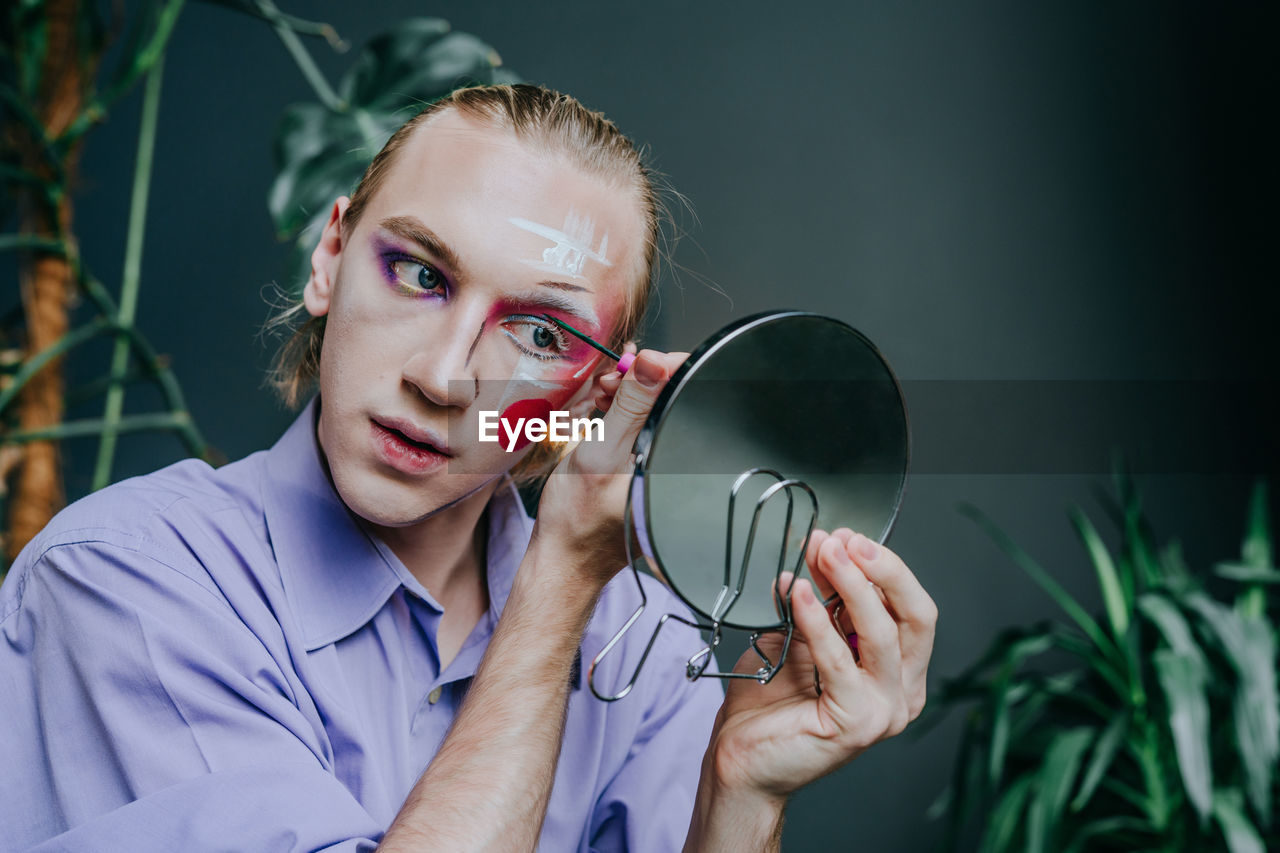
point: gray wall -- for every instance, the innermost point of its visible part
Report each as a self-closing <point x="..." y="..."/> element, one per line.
<point x="995" y="192"/>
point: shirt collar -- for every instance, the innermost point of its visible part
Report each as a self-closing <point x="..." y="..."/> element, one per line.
<point x="336" y="574"/>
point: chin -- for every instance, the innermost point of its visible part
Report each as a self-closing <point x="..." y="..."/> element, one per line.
<point x="393" y="502"/>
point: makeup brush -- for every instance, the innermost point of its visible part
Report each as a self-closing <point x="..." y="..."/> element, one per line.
<point x="624" y="360"/>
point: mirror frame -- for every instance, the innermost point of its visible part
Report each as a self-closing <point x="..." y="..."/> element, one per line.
<point x="639" y="493"/>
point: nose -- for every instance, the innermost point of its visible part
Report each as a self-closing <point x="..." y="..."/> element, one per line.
<point x="442" y="370"/>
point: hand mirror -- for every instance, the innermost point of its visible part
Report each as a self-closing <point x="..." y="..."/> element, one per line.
<point x="779" y="423"/>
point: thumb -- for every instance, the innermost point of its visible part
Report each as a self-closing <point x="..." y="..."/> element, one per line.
<point x="636" y="394"/>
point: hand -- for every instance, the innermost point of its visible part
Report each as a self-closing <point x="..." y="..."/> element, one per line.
<point x="581" y="510"/>
<point x="607" y="385"/>
<point x="772" y="739"/>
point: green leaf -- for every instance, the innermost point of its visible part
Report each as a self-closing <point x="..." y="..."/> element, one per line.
<point x="1002" y="697"/>
<point x="322" y="150"/>
<point x="1171" y="623"/>
<point x="1104" y="752"/>
<point x="1246" y="574"/>
<point x="1239" y="833"/>
<point x="1054" y="782"/>
<point x="1126" y="792"/>
<point x="1046" y="582"/>
<point x="1107" y="828"/>
<point x="1184" y="677"/>
<point x="31" y="28"/>
<point x="1003" y="824"/>
<point x="966" y="785"/>
<point x="1250" y="646"/>
<point x="388" y="58"/>
<point x="1174" y="565"/>
<point x="941" y="804"/>
<point x="1113" y="597"/>
<point x="1183" y="673"/>
<point x="144" y="21"/>
<point x="1256" y="549"/>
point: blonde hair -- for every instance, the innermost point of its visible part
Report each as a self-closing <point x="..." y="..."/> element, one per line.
<point x="556" y="124"/>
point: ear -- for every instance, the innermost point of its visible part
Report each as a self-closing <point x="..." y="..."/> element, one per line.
<point x="325" y="260"/>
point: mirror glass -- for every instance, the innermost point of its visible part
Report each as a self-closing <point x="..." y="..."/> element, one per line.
<point x="804" y="395"/>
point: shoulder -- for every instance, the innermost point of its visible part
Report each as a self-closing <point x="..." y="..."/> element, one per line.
<point x="173" y="525"/>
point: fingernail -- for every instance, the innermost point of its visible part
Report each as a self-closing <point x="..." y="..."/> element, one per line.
<point x="647" y="372"/>
<point x="867" y="549"/>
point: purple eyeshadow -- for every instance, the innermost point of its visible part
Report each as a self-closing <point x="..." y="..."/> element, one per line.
<point x="389" y="254"/>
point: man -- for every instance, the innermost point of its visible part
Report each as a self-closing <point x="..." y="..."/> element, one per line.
<point x="267" y="656"/>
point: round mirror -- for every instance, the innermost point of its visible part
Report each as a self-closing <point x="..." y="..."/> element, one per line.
<point x="798" y="395"/>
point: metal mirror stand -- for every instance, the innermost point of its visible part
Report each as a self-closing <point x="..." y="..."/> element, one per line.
<point x="730" y="592"/>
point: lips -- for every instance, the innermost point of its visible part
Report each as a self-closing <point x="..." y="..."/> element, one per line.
<point x="413" y="435"/>
<point x="407" y="448"/>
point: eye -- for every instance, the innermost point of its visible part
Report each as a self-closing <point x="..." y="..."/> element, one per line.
<point x="536" y="337"/>
<point x="542" y="338"/>
<point x="418" y="277"/>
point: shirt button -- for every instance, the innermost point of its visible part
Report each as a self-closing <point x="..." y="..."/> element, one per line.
<point x="433" y="697"/>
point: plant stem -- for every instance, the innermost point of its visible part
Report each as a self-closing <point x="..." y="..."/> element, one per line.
<point x="131" y="276"/>
<point x="94" y="426"/>
<point x="302" y="57"/>
<point x="150" y="57"/>
<point x="169" y="387"/>
<point x="35" y="363"/>
<point x="19" y="242"/>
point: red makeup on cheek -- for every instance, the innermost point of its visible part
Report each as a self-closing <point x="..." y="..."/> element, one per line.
<point x="526" y="409"/>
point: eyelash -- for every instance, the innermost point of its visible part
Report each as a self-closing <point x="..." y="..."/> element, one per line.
<point x="389" y="262"/>
<point x="562" y="340"/>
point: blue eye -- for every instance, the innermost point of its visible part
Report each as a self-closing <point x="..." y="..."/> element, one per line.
<point x="429" y="278"/>
<point x="533" y="336"/>
<point x="415" y="278"/>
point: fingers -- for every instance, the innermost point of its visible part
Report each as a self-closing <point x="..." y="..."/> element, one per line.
<point x="627" y="412"/>
<point x="916" y="613"/>
<point x="829" y="650"/>
<point x="878" y="635"/>
<point x="811" y="557"/>
<point x="607" y="383"/>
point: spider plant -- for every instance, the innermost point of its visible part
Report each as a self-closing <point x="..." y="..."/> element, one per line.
<point x="1151" y="726"/>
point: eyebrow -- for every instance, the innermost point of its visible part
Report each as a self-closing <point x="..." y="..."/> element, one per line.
<point x="415" y="230"/>
<point x="411" y="228"/>
<point x="554" y="300"/>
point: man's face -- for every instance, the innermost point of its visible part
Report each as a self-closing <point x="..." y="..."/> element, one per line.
<point x="432" y="303"/>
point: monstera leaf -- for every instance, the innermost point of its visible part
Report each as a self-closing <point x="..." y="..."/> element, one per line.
<point x="321" y="151"/>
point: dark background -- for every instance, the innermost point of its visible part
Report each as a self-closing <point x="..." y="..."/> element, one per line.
<point x="1029" y="192"/>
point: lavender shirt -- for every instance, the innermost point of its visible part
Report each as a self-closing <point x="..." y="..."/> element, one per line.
<point x="225" y="659"/>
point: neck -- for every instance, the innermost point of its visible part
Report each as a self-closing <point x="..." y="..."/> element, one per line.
<point x="445" y="551"/>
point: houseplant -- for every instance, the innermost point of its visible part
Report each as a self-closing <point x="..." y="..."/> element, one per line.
<point x="1154" y="726"/>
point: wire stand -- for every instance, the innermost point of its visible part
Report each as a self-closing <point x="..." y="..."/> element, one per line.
<point x="730" y="591"/>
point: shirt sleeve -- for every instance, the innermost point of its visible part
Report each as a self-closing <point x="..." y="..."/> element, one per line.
<point x="647" y="806"/>
<point x="140" y="713"/>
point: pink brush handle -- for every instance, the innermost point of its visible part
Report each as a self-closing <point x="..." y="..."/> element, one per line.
<point x="624" y="363"/>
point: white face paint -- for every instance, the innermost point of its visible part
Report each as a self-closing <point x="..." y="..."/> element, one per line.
<point x="528" y="374"/>
<point x="572" y="247"/>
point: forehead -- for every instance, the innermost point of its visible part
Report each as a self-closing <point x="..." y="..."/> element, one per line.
<point x="499" y="201"/>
